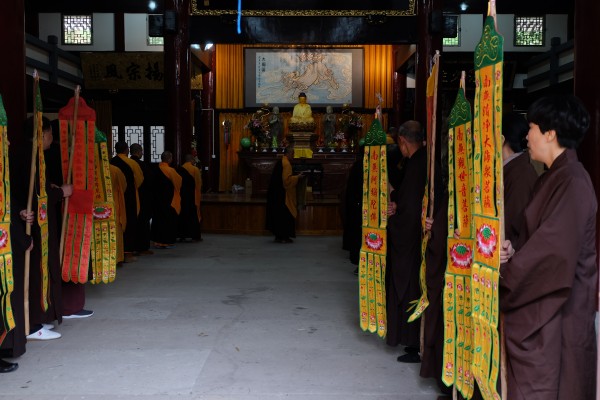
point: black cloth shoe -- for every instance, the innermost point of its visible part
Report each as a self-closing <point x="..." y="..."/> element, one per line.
<point x="6" y="366"/>
<point x="410" y="358"/>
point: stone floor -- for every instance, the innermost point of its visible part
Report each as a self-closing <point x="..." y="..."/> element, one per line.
<point x="232" y="317"/>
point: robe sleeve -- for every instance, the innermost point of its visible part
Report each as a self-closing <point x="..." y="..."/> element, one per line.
<point x="546" y="263"/>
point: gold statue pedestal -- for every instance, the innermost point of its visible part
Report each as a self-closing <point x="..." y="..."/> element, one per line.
<point x="302" y="143"/>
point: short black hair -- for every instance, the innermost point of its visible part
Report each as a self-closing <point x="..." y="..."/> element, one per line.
<point x="135" y="148"/>
<point x="412" y="131"/>
<point x="121" y="148"/>
<point x="28" y="129"/>
<point x="565" y="114"/>
<point x="514" y="130"/>
<point x="166" y="156"/>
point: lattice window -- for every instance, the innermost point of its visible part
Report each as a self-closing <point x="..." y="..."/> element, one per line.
<point x="77" y="29"/>
<point x="134" y="134"/>
<point x="114" y="137"/>
<point x="156" y="41"/>
<point x="529" y="31"/>
<point x="452" y="20"/>
<point x="157" y="142"/>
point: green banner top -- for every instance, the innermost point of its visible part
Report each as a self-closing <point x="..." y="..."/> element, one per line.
<point x="489" y="50"/>
<point x="3" y="119"/>
<point x="461" y="111"/>
<point x="375" y="136"/>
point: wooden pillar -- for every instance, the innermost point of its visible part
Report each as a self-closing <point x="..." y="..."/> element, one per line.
<point x="12" y="68"/>
<point x="587" y="87"/>
<point x="178" y="128"/>
<point x="430" y="40"/>
<point x="209" y="142"/>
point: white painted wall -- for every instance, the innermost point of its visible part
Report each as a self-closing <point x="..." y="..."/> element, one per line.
<point x="103" y="31"/>
<point x="472" y="25"/>
<point x="136" y="33"/>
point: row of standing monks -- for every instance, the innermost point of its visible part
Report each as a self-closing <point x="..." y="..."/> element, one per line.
<point x="548" y="276"/>
<point x="160" y="205"/>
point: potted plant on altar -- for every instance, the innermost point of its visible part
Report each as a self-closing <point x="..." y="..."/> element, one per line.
<point x="340" y="141"/>
<point x="259" y="128"/>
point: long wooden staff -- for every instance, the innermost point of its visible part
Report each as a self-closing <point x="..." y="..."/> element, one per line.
<point x="34" y="149"/>
<point x="73" y="132"/>
<point x="436" y="59"/>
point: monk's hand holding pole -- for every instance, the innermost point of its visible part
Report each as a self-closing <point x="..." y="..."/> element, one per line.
<point x="391" y="208"/>
<point x="27" y="216"/>
<point x="428" y="224"/>
<point x="506" y="251"/>
<point x="67" y="190"/>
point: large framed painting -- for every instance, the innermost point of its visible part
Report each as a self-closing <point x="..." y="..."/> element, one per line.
<point x="329" y="77"/>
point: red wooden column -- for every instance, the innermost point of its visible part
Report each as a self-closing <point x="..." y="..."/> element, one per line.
<point x="12" y="68"/>
<point x="587" y="87"/>
<point x="178" y="128"/>
<point x="429" y="41"/>
<point x="209" y="143"/>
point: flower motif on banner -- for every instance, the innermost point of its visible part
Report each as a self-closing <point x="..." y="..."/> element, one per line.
<point x="486" y="240"/>
<point x="461" y="255"/>
<point x="101" y="212"/>
<point x="373" y="241"/>
<point x="3" y="238"/>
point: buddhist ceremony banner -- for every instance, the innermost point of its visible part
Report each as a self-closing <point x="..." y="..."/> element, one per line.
<point x="427" y="204"/>
<point x="104" y="240"/>
<point x="42" y="200"/>
<point x="372" y="261"/>
<point x="6" y="265"/>
<point x="77" y="149"/>
<point x="487" y="205"/>
<point x="458" y="322"/>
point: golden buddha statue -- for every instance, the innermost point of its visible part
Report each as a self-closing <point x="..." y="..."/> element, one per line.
<point x="302" y="119"/>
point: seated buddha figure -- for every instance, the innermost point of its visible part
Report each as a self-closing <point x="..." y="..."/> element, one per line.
<point x="302" y="119"/>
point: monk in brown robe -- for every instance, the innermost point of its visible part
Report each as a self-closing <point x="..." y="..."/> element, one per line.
<point x="519" y="174"/>
<point x="404" y="251"/>
<point x="548" y="287"/>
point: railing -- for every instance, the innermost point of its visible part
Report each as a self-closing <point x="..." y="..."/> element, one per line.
<point x="52" y="63"/>
<point x="552" y="67"/>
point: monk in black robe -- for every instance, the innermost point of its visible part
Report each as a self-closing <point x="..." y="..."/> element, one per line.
<point x="281" y="200"/>
<point x="404" y="239"/>
<point x="167" y="203"/>
<point x="40" y="320"/>
<point x="142" y="240"/>
<point x="548" y="287"/>
<point x="134" y="177"/>
<point x="189" y="218"/>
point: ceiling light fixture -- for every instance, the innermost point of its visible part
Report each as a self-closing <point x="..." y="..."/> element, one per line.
<point x="152" y="5"/>
<point x="464" y="6"/>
